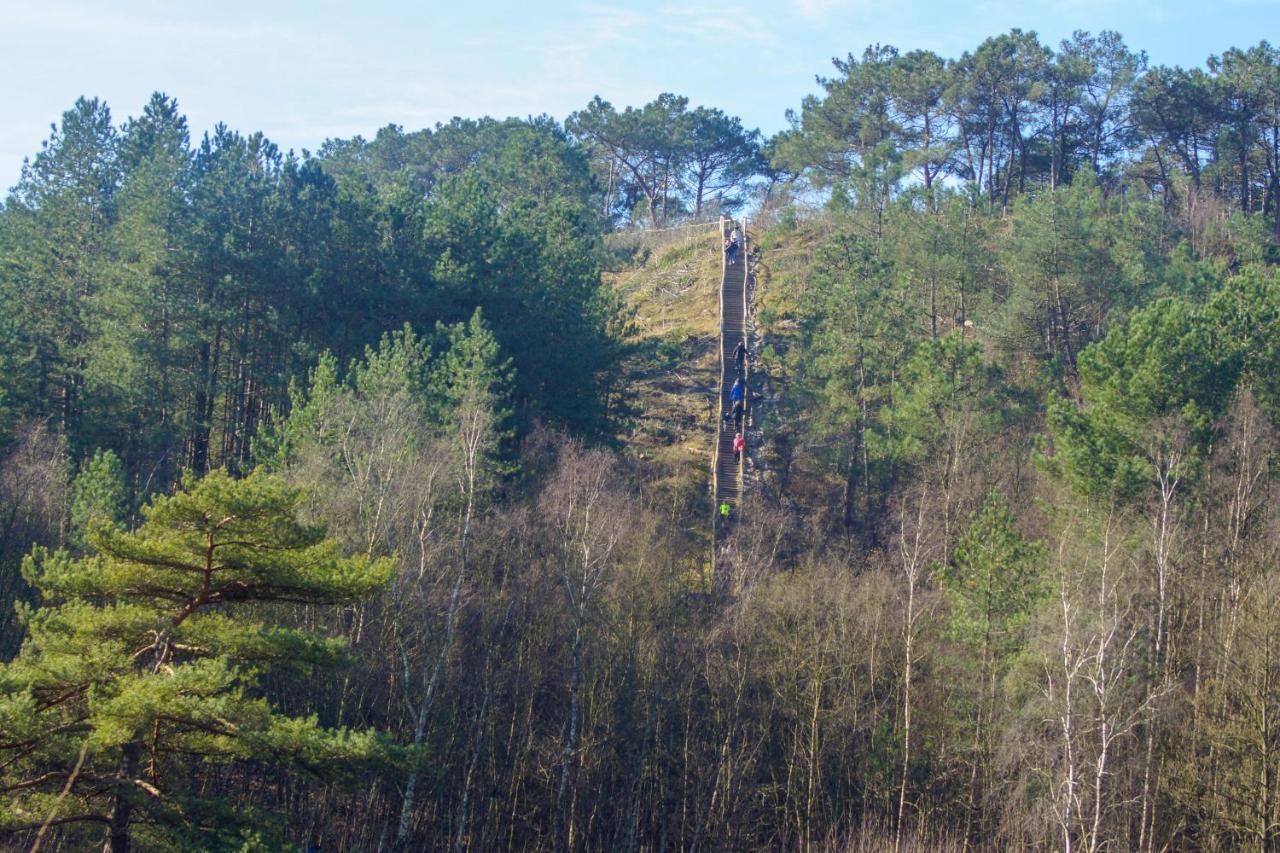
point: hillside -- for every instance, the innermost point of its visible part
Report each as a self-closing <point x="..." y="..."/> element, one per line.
<point x="670" y="284"/>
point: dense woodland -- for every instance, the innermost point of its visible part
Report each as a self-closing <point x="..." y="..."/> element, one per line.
<point x="324" y="522"/>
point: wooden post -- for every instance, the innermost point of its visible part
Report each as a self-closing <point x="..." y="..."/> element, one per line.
<point x="715" y="444"/>
<point x="746" y="378"/>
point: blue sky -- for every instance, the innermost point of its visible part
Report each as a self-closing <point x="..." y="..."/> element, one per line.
<point x="305" y="71"/>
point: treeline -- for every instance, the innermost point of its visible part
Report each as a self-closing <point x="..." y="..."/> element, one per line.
<point x="1015" y="114"/>
<point x="1006" y="577"/>
<point x="664" y="161"/>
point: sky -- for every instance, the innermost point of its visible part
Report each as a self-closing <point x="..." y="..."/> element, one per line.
<point x="302" y="72"/>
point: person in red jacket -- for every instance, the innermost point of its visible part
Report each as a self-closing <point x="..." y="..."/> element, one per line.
<point x="739" y="444"/>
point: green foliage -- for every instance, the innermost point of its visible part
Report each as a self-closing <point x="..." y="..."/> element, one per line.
<point x="467" y="384"/>
<point x="532" y="268"/>
<point x="309" y="409"/>
<point x="945" y="257"/>
<point x="1243" y="317"/>
<point x="1075" y="260"/>
<point x="663" y="159"/>
<point x="150" y="650"/>
<point x="57" y="231"/>
<point x="1153" y="390"/>
<point x="951" y="400"/>
<point x="472" y="383"/>
<point x="99" y="493"/>
<point x="398" y="366"/>
<point x="993" y="582"/>
<point x="159" y="299"/>
<point x="853" y="323"/>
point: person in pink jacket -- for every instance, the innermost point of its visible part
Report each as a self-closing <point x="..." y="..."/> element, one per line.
<point x="739" y="444"/>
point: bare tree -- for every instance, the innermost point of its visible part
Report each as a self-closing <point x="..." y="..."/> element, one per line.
<point x="466" y="453"/>
<point x="1168" y="454"/>
<point x="588" y="512"/>
<point x="35" y="498"/>
<point x="1094" y="698"/>
<point x="915" y="548"/>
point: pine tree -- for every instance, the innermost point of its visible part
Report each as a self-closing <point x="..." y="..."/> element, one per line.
<point x="473" y="386"/>
<point x="146" y="317"/>
<point x="142" y="668"/>
<point x="56" y="252"/>
<point x="992" y="586"/>
<point x="98" y="492"/>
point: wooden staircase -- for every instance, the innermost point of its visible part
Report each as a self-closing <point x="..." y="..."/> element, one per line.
<point x="727" y="473"/>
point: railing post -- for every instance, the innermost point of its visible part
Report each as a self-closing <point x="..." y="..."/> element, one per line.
<point x="715" y="419"/>
<point x="746" y="376"/>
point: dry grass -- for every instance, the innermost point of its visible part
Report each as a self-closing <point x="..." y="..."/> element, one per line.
<point x="674" y="291"/>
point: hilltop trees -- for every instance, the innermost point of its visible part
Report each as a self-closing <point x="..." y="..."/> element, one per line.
<point x="720" y="155"/>
<point x="859" y="127"/>
<point x="1014" y="114"/>
<point x="664" y="154"/>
